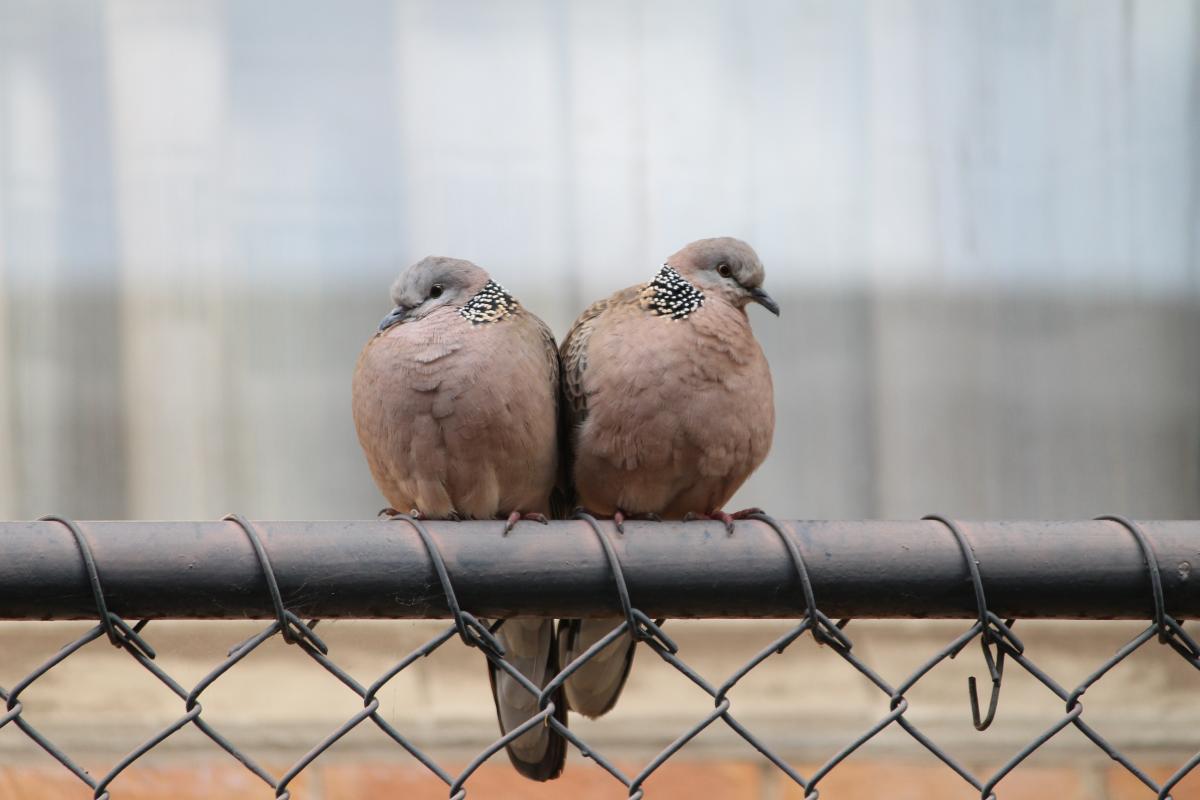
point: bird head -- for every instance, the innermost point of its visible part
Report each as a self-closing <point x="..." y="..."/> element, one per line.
<point x="727" y="268"/>
<point x="430" y="284"/>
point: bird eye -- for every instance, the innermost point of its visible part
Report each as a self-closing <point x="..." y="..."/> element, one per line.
<point x="723" y="270"/>
<point x="435" y="291"/>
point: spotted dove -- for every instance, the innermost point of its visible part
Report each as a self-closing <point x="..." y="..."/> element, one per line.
<point x="455" y="402"/>
<point x="669" y="407"/>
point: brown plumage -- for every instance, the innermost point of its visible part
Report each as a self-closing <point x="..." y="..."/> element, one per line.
<point x="670" y="408"/>
<point x="455" y="402"/>
<point x="458" y="418"/>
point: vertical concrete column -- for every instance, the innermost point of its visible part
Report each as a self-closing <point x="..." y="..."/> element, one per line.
<point x="168" y="85"/>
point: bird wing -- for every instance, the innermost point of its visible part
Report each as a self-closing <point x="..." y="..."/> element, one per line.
<point x="594" y="688"/>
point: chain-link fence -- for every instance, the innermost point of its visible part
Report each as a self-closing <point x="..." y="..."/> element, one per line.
<point x="1109" y="568"/>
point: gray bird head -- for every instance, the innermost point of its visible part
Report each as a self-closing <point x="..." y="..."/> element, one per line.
<point x="431" y="283"/>
<point x="726" y="267"/>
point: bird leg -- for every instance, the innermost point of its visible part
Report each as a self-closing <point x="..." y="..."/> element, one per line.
<point x="417" y="514"/>
<point x="720" y="515"/>
<point x="620" y="516"/>
<point x="517" y="516"/>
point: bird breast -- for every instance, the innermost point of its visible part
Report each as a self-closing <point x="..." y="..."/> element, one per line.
<point x="447" y="412"/>
<point x="660" y="387"/>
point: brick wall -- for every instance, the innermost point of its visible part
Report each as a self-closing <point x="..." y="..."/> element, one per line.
<point x="860" y="779"/>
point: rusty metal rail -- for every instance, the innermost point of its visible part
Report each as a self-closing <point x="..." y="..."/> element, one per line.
<point x="380" y="569"/>
<point x="815" y="572"/>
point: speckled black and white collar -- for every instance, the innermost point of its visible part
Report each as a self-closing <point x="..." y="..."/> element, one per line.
<point x="490" y="304"/>
<point x="670" y="295"/>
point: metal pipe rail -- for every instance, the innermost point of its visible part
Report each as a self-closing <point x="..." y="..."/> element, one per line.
<point x="382" y="569"/>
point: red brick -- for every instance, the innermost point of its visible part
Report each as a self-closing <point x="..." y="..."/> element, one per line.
<point x="1124" y="786"/>
<point x="350" y="781"/>
<point x="863" y="780"/>
<point x="497" y="780"/>
<point x="207" y="781"/>
<point x="1039" y="783"/>
<point x="898" y="780"/>
<point x="41" y="784"/>
<point x="688" y="780"/>
<point x="224" y="780"/>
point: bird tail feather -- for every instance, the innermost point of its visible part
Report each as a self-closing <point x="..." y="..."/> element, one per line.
<point x="593" y="689"/>
<point x="539" y="753"/>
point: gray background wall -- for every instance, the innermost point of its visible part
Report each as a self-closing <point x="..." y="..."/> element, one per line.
<point x="982" y="220"/>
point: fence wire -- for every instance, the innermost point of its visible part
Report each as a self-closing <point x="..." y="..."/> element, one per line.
<point x="997" y="641"/>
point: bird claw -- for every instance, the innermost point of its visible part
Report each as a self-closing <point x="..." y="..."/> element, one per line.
<point x="517" y="516"/>
<point x="727" y="519"/>
<point x="719" y="515"/>
<point x="620" y="518"/>
<point x="712" y="516"/>
<point x="391" y="513"/>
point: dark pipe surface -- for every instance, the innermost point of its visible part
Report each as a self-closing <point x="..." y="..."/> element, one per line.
<point x="379" y="569"/>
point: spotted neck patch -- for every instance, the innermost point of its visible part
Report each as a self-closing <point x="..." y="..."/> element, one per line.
<point x="490" y="304"/>
<point x="670" y="295"/>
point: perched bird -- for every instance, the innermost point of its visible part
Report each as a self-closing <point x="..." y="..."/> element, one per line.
<point x="669" y="408"/>
<point x="456" y="406"/>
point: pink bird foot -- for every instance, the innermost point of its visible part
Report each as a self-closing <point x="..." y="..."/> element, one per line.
<point x="417" y="514"/>
<point x="720" y="515"/>
<point x="517" y="516"/>
<point x="620" y="516"/>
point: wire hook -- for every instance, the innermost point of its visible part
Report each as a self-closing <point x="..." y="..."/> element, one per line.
<point x="991" y="631"/>
<point x="996" y="669"/>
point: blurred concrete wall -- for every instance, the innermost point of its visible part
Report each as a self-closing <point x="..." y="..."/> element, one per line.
<point x="891" y="404"/>
<point x="982" y="218"/>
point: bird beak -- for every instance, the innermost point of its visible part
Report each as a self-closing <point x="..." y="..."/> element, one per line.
<point x="394" y="317"/>
<point x="757" y="295"/>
